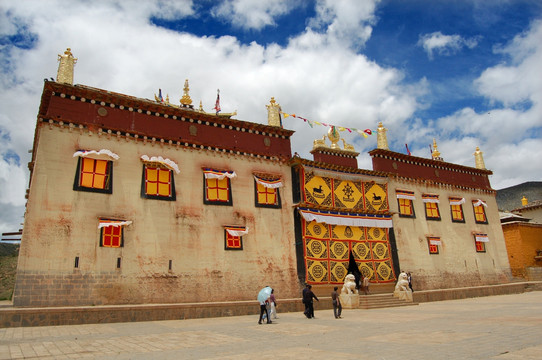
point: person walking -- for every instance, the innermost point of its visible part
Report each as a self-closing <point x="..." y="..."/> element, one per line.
<point x="273" y="305"/>
<point x="307" y="298"/>
<point x="409" y="277"/>
<point x="366" y="285"/>
<point x="337" y="307"/>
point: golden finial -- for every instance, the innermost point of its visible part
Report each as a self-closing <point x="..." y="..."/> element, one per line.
<point x="479" y="159"/>
<point x="435" y="154"/>
<point x="200" y="106"/>
<point x="319" y="143"/>
<point x="334" y="137"/>
<point x="65" y="67"/>
<point x="185" y="100"/>
<point x="381" y="139"/>
<point x="273" y="113"/>
<point x="524" y="201"/>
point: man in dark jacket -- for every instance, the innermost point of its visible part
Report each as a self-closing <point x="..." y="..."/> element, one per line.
<point x="308" y="295"/>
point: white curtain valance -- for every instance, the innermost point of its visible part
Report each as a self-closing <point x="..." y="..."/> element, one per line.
<point x="481" y="237"/>
<point x="335" y="218"/>
<point x="103" y="154"/>
<point x="170" y="164"/>
<point x="107" y="223"/>
<point x="478" y="203"/>
<point x="427" y="198"/>
<point x="217" y="174"/>
<point x="457" y="201"/>
<point x="435" y="242"/>
<point x="272" y="184"/>
<point x="237" y="231"/>
<point x="409" y="195"/>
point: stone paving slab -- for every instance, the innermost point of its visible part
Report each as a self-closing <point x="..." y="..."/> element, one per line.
<point x="504" y="327"/>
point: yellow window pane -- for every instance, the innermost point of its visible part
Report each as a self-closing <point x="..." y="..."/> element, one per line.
<point x="152" y="174"/>
<point x="223" y="183"/>
<point x="164" y="175"/>
<point x="163" y="189"/>
<point x="86" y="180"/>
<point x="88" y="165"/>
<point x="152" y="188"/>
<point x="223" y="195"/>
<point x="99" y="181"/>
<point x="101" y="167"/>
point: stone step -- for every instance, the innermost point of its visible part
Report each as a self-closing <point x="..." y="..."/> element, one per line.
<point x="382" y="301"/>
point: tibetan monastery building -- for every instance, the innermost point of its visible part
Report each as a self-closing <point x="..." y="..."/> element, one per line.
<point x="136" y="201"/>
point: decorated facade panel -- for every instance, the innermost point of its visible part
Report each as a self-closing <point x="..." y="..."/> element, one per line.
<point x="348" y="194"/>
<point x="327" y="250"/>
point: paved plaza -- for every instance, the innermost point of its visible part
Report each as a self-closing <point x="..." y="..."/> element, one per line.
<point x="501" y="327"/>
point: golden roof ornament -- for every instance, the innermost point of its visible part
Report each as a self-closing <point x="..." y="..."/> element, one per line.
<point x="65" y="67"/>
<point x="435" y="154"/>
<point x="381" y="139"/>
<point x="524" y="201"/>
<point x="186" y="101"/>
<point x="479" y="159"/>
<point x="334" y="137"/>
<point x="273" y="113"/>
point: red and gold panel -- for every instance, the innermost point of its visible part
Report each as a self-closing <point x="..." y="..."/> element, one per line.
<point x="361" y="250"/>
<point x="344" y="232"/>
<point x="317" y="272"/>
<point x="316" y="249"/>
<point x="348" y="194"/>
<point x="328" y="247"/>
<point x="317" y="190"/>
<point x="338" y="271"/>
<point x="317" y="230"/>
<point x="339" y="250"/>
<point x="376" y="196"/>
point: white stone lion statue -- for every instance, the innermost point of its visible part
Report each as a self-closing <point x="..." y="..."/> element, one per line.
<point x="402" y="291"/>
<point x="349" y="286"/>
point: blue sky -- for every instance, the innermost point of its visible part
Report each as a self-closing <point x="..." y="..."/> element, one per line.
<point x="466" y="73"/>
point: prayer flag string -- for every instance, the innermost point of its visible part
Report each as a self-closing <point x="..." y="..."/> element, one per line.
<point x="363" y="133"/>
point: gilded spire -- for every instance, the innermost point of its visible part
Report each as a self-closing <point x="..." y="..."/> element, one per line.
<point x="479" y="159"/>
<point x="273" y="113"/>
<point x="334" y="137"/>
<point x="65" y="67"/>
<point x="435" y="154"/>
<point x="381" y="139"/>
<point x="524" y="201"/>
<point x="186" y="100"/>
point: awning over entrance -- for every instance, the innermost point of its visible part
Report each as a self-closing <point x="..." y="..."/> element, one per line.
<point x="348" y="219"/>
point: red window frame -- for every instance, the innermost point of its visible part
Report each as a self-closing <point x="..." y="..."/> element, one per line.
<point x="432" y="211"/>
<point x="479" y="214"/>
<point x="433" y="249"/>
<point x="232" y="242"/>
<point x="93" y="175"/>
<point x="457" y="213"/>
<point x="159" y="185"/>
<point x="480" y="246"/>
<point x="112" y="236"/>
<point x="215" y="187"/>
<point x="406" y="207"/>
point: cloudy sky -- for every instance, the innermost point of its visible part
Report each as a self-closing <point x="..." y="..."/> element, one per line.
<point x="467" y="73"/>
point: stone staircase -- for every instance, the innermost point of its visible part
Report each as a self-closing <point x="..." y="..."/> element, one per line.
<point x="379" y="301"/>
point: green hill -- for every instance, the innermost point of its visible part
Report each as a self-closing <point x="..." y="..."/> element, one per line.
<point x="8" y="267"/>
